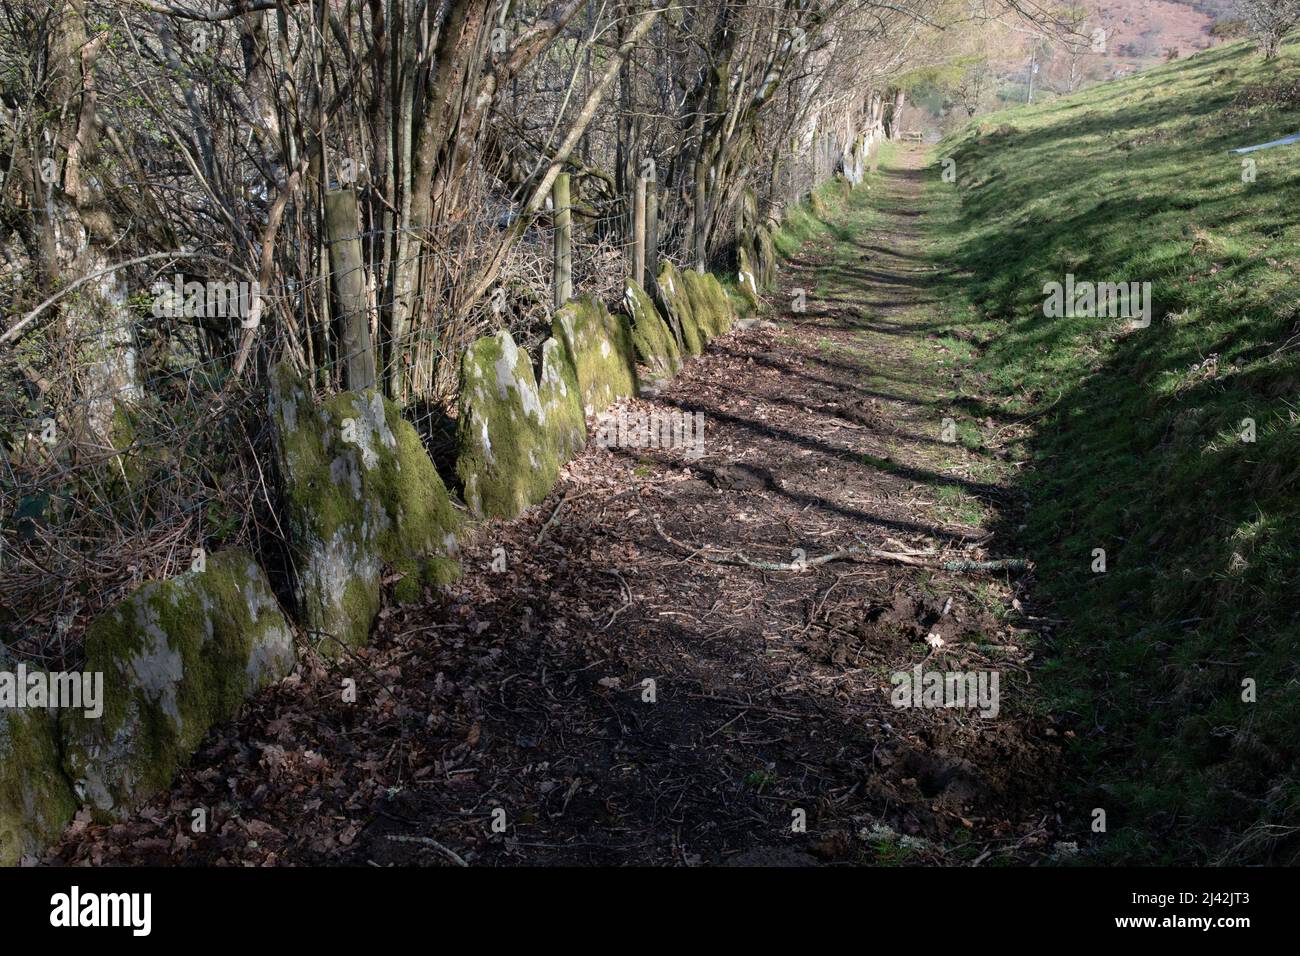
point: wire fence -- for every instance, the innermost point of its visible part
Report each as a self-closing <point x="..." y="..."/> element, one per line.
<point x="125" y="448"/>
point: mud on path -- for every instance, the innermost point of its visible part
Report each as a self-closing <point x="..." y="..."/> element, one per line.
<point x="525" y="690"/>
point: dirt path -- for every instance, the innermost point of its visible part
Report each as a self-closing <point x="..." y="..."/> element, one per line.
<point x="523" y="696"/>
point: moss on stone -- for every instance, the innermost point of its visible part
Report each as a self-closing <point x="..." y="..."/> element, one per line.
<point x="765" y="257"/>
<point x="177" y="657"/>
<point x="680" y="310"/>
<point x="712" y="308"/>
<point x="36" y="799"/>
<point x="504" y="460"/>
<point x="564" y="424"/>
<point x="361" y="493"/>
<point x="602" y="350"/>
<point x="655" y="344"/>
<point x="421" y="574"/>
<point x="746" y="274"/>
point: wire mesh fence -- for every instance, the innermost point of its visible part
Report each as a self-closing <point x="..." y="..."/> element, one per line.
<point x="127" y="452"/>
<point x="127" y="448"/>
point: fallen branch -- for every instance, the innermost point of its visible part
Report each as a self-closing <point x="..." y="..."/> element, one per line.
<point x="1001" y="564"/>
<point x="427" y="841"/>
<point x="917" y="559"/>
<point x="554" y="514"/>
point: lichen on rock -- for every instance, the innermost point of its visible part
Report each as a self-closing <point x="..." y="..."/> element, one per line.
<point x="564" y="424"/>
<point x="765" y="257"/>
<point x="177" y="657"/>
<point x="36" y="798"/>
<point x="361" y="493"/>
<point x="506" y="461"/>
<point x="746" y="274"/>
<point x="655" y="344"/>
<point x="680" y="310"/>
<point x="709" y="302"/>
<point x="603" y="354"/>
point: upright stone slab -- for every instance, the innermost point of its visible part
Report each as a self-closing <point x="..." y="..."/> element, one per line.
<point x="602" y="350"/>
<point x="505" y="458"/>
<point x="746" y="273"/>
<point x="680" y="311"/>
<point x="36" y="798"/>
<point x="765" y="256"/>
<point x="655" y="344"/>
<point x="361" y="493"/>
<point x="565" y="425"/>
<point x="177" y="657"/>
<point x="713" y="311"/>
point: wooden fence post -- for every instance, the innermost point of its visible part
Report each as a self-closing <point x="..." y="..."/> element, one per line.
<point x="563" y="240"/>
<point x="342" y="226"/>
<point x="638" y="233"/>
<point x="651" y="232"/>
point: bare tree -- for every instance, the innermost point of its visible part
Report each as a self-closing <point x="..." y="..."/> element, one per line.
<point x="1269" y="21"/>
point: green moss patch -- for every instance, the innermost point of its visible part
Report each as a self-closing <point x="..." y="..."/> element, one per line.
<point x="177" y="657"/>
<point x="564" y="424"/>
<point x="712" y="308"/>
<point x="506" y="459"/>
<point x="680" y="310"/>
<point x="361" y="493"/>
<point x="656" y="347"/>
<point x="602" y="350"/>
<point x="746" y="275"/>
<point x="36" y="799"/>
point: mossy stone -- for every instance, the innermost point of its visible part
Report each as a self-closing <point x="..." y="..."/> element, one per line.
<point x="36" y="798"/>
<point x="602" y="350"/>
<point x="765" y="257"/>
<point x="680" y="311"/>
<point x="655" y="344"/>
<point x="505" y="460"/>
<point x="177" y="657"/>
<point x="564" y="424"/>
<point x="713" y="311"/>
<point x="746" y="274"/>
<point x="361" y="492"/>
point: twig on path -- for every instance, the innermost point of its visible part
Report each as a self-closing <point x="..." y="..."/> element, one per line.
<point x="427" y="841"/>
<point x="550" y="521"/>
<point x="1001" y="564"/>
<point x="625" y="593"/>
<point x="858" y="550"/>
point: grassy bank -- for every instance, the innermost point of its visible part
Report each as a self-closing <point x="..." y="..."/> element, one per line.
<point x="1174" y="448"/>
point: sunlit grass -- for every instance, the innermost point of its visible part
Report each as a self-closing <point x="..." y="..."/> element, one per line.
<point x="1138" y="437"/>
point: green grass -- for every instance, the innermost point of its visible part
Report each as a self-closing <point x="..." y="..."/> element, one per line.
<point x="800" y="223"/>
<point x="1133" y="439"/>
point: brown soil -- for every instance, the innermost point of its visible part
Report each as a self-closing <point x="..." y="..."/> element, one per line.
<point x="525" y="690"/>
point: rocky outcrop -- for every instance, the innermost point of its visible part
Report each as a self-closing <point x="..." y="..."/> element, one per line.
<point x="361" y="493"/>
<point x="177" y="656"/>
